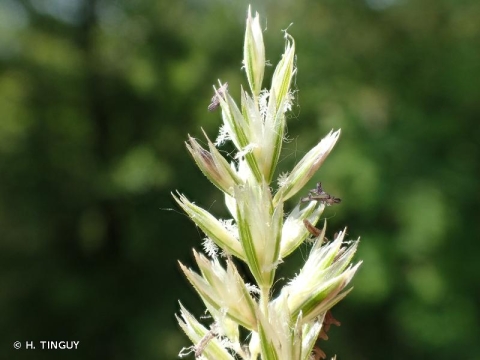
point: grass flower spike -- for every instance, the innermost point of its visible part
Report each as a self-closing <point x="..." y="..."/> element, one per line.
<point x="260" y="233"/>
<point x="254" y="54"/>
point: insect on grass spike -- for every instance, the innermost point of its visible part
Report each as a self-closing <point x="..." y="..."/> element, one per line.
<point x="318" y="194"/>
<point x="312" y="229"/>
<point x="215" y="102"/>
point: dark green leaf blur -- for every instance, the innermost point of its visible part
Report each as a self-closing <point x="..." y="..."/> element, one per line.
<point x="97" y="98"/>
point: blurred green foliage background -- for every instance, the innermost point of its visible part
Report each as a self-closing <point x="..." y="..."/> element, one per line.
<point x="97" y="98"/>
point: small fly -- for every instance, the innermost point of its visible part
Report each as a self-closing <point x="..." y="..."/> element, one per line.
<point x="318" y="194"/>
<point x="215" y="102"/>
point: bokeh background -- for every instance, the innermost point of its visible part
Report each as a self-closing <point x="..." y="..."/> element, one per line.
<point x="97" y="98"/>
